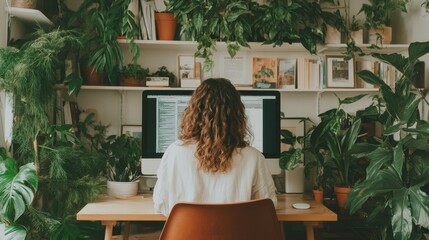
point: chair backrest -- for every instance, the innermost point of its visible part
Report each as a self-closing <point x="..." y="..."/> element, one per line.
<point x="251" y="220"/>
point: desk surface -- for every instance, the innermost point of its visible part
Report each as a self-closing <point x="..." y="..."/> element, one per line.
<point x="140" y="208"/>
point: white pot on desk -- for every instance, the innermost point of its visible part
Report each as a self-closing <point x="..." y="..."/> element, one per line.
<point x="122" y="189"/>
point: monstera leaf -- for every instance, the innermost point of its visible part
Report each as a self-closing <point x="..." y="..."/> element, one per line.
<point x="14" y="232"/>
<point x="17" y="188"/>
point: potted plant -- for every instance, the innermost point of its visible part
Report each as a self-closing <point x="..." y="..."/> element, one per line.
<point x="398" y="174"/>
<point x="123" y="155"/>
<point x="133" y="75"/>
<point x="337" y="133"/>
<point x="104" y="22"/>
<point x="164" y="72"/>
<point x="335" y="25"/>
<point x="377" y="19"/>
<point x="209" y="21"/>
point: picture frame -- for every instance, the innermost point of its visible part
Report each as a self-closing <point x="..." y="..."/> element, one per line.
<point x="339" y="72"/>
<point x="132" y="130"/>
<point x="287" y="73"/>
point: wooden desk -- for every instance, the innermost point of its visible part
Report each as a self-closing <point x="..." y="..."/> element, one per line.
<point x="140" y="208"/>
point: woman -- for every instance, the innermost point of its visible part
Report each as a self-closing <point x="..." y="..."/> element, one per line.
<point x="212" y="161"/>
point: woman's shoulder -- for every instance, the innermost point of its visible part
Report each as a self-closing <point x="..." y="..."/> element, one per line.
<point x="250" y="151"/>
<point x="180" y="145"/>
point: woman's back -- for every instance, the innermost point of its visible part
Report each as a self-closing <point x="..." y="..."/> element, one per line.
<point x="180" y="179"/>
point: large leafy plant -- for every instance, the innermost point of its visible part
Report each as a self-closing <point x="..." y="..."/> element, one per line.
<point x="335" y="138"/>
<point x="106" y="20"/>
<point x="206" y="22"/>
<point x="122" y="154"/>
<point x="29" y="74"/>
<point x="399" y="166"/>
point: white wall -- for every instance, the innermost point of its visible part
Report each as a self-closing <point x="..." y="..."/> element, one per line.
<point x="3" y="42"/>
<point x="413" y="27"/>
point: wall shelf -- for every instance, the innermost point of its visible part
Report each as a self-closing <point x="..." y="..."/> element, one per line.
<point x="259" y="47"/>
<point x="125" y="88"/>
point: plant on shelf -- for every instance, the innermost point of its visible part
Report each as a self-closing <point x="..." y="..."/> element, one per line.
<point x="133" y="75"/>
<point x="164" y="72"/>
<point x="377" y="19"/>
<point x="206" y="22"/>
<point x="397" y="176"/>
<point x="122" y="155"/>
<point x="104" y="22"/>
<point x="290" y="21"/>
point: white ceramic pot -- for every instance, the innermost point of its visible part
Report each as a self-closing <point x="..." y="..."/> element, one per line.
<point x="357" y="36"/>
<point x="122" y="189"/>
<point x="333" y="36"/>
<point x="380" y="35"/>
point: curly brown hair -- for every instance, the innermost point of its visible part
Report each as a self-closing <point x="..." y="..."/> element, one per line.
<point x="215" y="119"/>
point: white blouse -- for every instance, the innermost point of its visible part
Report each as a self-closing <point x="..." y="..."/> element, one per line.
<point x="180" y="180"/>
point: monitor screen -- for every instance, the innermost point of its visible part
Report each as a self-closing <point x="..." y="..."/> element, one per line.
<point x="161" y="119"/>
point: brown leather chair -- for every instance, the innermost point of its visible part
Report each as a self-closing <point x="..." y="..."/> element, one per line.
<point x="251" y="220"/>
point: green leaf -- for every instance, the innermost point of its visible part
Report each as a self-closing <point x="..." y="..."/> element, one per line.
<point x="419" y="207"/>
<point x="392" y="129"/>
<point x="394" y="59"/>
<point x="385" y="181"/>
<point x="398" y="158"/>
<point x="422" y="127"/>
<point x="401" y="215"/>
<point x="17" y="188"/>
<point x="416" y="50"/>
<point x="14" y="232"/>
<point x="352" y="99"/>
<point x="351" y="136"/>
<point x="370" y="78"/>
<point x="377" y="159"/>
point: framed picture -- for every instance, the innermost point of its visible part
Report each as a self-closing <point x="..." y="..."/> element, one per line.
<point x="132" y="130"/>
<point x="287" y="73"/>
<point x="339" y="72"/>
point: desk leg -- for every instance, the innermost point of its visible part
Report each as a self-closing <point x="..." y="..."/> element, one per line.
<point x="109" y="228"/>
<point x="309" y="229"/>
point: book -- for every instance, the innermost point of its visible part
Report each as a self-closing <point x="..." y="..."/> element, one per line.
<point x="264" y="74"/>
<point x="287" y="73"/>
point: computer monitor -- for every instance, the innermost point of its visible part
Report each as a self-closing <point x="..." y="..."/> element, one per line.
<point x="161" y="118"/>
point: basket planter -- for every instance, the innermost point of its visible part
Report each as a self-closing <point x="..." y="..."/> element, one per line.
<point x="131" y="81"/>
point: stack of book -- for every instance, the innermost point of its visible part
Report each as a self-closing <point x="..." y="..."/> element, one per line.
<point x="147" y="20"/>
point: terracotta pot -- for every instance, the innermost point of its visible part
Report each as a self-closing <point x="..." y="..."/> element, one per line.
<point x="318" y="195"/>
<point x="357" y="36"/>
<point x="23" y="3"/>
<point x="130" y="81"/>
<point x="333" y="36"/>
<point x="91" y="76"/>
<point x="380" y="35"/>
<point x="342" y="195"/>
<point x="165" y="26"/>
